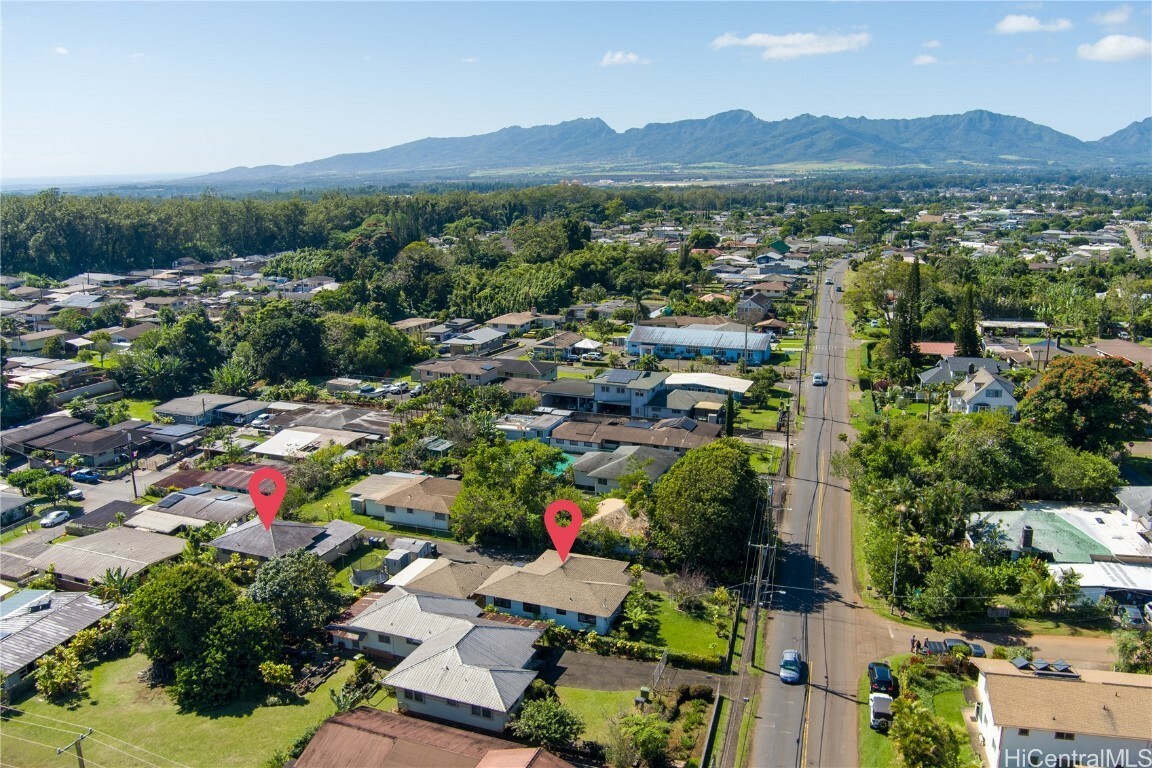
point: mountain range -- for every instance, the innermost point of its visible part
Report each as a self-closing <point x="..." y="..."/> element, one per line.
<point x="735" y="144"/>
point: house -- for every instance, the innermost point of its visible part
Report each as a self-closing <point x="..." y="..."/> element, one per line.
<point x="130" y="334"/>
<point x="328" y="542"/>
<point x="1011" y="327"/>
<point x="663" y="395"/>
<point x="441" y="576"/>
<point x="200" y="409"/>
<point x="393" y="624"/>
<point x="580" y="593"/>
<point x="475" y="371"/>
<point x="414" y="326"/>
<point x="534" y="426"/>
<point x="11" y="282"/>
<point x="370" y="737"/>
<point x="676" y="435"/>
<point x="100" y="279"/>
<point x="754" y="308"/>
<point x="35" y="622"/>
<point x="448" y="329"/>
<point x="81" y="562"/>
<point x="13" y="507"/>
<point x="34" y="342"/>
<point x="474" y="674"/>
<point x="560" y="346"/>
<point x="195" y="507"/>
<point x="1040" y="713"/>
<point x="600" y="471"/>
<point x="175" y="303"/>
<point x="476" y="342"/>
<point x="772" y="289"/>
<point x="1136" y="503"/>
<point x="298" y="442"/>
<point x="112" y="514"/>
<point x="534" y="370"/>
<point x="514" y="322"/>
<point x="686" y="343"/>
<point x="949" y="369"/>
<point x="982" y="391"/>
<point x="418" y="501"/>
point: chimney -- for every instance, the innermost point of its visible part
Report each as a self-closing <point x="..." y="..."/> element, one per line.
<point x="971" y="368"/>
<point x="1026" y="537"/>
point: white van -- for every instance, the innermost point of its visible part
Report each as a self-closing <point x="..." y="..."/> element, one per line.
<point x="818" y="379"/>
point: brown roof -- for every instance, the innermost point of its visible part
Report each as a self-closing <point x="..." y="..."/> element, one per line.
<point x="447" y="577"/>
<point x="941" y="348"/>
<point x="592" y="585"/>
<point x="369" y="737"/>
<point x="620" y="434"/>
<point x="1098" y="703"/>
<point x="186" y="478"/>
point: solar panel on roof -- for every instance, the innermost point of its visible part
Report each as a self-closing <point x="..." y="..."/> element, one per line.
<point x="195" y="490"/>
<point x="1040" y="665"/>
<point x="1020" y="662"/>
<point x="1062" y="666"/>
<point x="229" y="496"/>
<point x="169" y="501"/>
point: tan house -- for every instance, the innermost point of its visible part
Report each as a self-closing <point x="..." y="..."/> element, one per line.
<point x="417" y="501"/>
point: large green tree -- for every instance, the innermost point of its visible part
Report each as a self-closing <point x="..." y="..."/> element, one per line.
<point x="177" y="608"/>
<point x="966" y="338"/>
<point x="1096" y="403"/>
<point x="299" y="590"/>
<point x="548" y="723"/>
<point x="705" y="506"/>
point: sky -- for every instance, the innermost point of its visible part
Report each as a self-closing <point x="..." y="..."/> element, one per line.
<point x="173" y="88"/>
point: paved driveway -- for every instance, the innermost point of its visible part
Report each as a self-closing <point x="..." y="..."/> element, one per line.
<point x="608" y="673"/>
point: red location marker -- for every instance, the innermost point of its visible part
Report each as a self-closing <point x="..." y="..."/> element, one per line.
<point x="563" y="536"/>
<point x="267" y="504"/>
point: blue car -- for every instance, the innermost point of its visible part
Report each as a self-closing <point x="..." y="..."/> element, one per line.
<point x="86" y="476"/>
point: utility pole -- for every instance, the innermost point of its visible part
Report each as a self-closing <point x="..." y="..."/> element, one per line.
<point x="761" y="548"/>
<point x="896" y="561"/>
<point x="132" y="465"/>
<point x="78" y="743"/>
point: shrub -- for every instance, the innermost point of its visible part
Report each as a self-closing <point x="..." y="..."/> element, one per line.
<point x="1012" y="652"/>
<point x="540" y="689"/>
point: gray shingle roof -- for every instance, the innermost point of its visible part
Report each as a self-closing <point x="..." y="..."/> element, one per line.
<point x="285" y="536"/>
<point x="593" y="585"/>
<point x="600" y="464"/>
<point x="419" y="617"/>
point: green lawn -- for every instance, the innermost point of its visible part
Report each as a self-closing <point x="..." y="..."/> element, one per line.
<point x="767" y="461"/>
<point x="950" y="706"/>
<point x="596" y="707"/>
<point x="141" y="409"/>
<point x="120" y="707"/>
<point x="685" y="633"/>
<point x="754" y="418"/>
<point x="875" y="749"/>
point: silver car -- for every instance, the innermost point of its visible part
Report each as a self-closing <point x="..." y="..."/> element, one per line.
<point x="791" y="667"/>
<point x="58" y="517"/>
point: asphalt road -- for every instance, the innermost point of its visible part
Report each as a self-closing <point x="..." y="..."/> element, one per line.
<point x="813" y="606"/>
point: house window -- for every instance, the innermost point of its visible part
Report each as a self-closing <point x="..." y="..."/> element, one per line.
<point x="561" y="612"/>
<point x="410" y="511"/>
<point x="501" y="602"/>
<point x="992" y="393"/>
<point x="1022" y="732"/>
<point x="584" y="618"/>
<point x="531" y="608"/>
<point x="482" y="711"/>
<point x="451" y="702"/>
<point x="384" y="639"/>
<point x="411" y="641"/>
<point x="619" y="390"/>
<point x="413" y="695"/>
<point x="441" y="516"/>
<point x="1062" y="736"/>
<point x="601" y="481"/>
<point x="389" y="508"/>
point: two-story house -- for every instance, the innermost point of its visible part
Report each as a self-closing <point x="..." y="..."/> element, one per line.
<point x="982" y="391"/>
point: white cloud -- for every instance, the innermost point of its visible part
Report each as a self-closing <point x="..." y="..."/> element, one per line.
<point x="924" y="60"/>
<point x="470" y="60"/>
<point x="1113" y="18"/>
<point x="1016" y="23"/>
<point x="931" y="44"/>
<point x="61" y="50"/>
<point x="617" y="58"/>
<point x="139" y="57"/>
<point x="796" y="44"/>
<point x="1116" y="48"/>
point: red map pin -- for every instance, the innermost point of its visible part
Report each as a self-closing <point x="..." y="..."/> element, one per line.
<point x="563" y="536"/>
<point x="267" y="504"/>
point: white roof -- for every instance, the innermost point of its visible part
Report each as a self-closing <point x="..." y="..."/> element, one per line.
<point x="411" y="572"/>
<point x="710" y="380"/>
<point x="303" y="440"/>
<point x="1106" y="575"/>
<point x="1103" y="522"/>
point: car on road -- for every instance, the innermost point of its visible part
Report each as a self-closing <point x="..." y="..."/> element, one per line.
<point x="839" y="289"/>
<point x="873" y="323"/>
<point x="827" y="281"/>
<point x="952" y="643"/>
<point x="791" y="666"/>
<point x="880" y="678"/>
<point x="818" y="379"/>
<point x="879" y="711"/>
<point x="86" y="476"/>
<point x="57" y="517"/>
<point x="75" y="495"/>
<point x="1128" y="617"/>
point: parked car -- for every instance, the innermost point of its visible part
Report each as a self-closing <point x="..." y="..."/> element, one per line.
<point x="839" y="289"/>
<point x="398" y="388"/>
<point x="880" y="678"/>
<point x="417" y="390"/>
<point x="57" y="517"/>
<point x="953" y="643"/>
<point x="791" y="666"/>
<point x="65" y="471"/>
<point x="1128" y="617"/>
<point x="874" y="323"/>
<point x="818" y="379"/>
<point x="86" y="476"/>
<point x="592" y="356"/>
<point x="934" y="648"/>
<point x="879" y="711"/>
<point x="75" y="495"/>
<point x="261" y="420"/>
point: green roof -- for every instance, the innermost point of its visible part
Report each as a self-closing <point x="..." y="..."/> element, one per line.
<point x="1050" y="533"/>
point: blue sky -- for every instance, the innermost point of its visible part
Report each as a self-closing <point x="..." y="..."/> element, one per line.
<point x="159" y="87"/>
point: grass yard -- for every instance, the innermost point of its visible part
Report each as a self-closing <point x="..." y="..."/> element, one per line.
<point x="767" y="461"/>
<point x="950" y="706"/>
<point x="119" y="707"/>
<point x="682" y="632"/>
<point x="754" y="418"/>
<point x="596" y="707"/>
<point x="875" y="749"/>
<point x="141" y="409"/>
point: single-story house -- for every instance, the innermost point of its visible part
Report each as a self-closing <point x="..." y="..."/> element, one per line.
<point x="533" y="426"/>
<point x="111" y="514"/>
<point x="404" y="499"/>
<point x="559" y="346"/>
<point x="81" y="562"/>
<point x="328" y="542"/>
<point x="677" y="435"/>
<point x="1136" y="503"/>
<point x="513" y="322"/>
<point x="416" y="326"/>
<point x="35" y="622"/>
<point x="371" y="737"/>
<point x="476" y="342"/>
<point x="475" y="372"/>
<point x="1041" y="713"/>
<point x="199" y="409"/>
<point x="298" y="442"/>
<point x="600" y="472"/>
<point x="130" y="334"/>
<point x="682" y="343"/>
<point x="391" y="625"/>
<point x="580" y="593"/>
<point x="13" y="507"/>
<point x="441" y="576"/>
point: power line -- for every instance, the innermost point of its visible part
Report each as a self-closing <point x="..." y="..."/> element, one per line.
<point x="134" y="757"/>
<point x="101" y="733"/>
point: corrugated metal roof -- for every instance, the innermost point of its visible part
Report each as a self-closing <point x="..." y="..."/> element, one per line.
<point x="419" y="617"/>
<point x="32" y="630"/>
<point x="89" y="557"/>
<point x="648" y="334"/>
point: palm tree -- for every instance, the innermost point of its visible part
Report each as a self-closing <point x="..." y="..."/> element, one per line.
<point x="1038" y="589"/>
<point x="114" y="586"/>
<point x="232" y="378"/>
